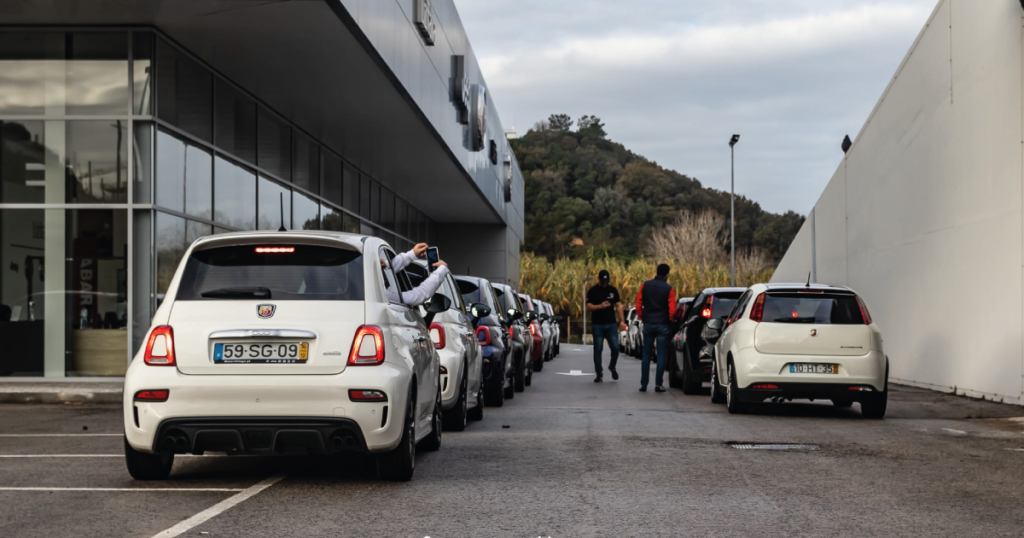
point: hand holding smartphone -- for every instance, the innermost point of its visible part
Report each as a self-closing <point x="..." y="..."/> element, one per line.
<point x="432" y="258"/>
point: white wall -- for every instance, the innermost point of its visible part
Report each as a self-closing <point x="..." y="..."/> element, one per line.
<point x="923" y="216"/>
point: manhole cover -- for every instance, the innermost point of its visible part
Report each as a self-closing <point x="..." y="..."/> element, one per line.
<point x="774" y="447"/>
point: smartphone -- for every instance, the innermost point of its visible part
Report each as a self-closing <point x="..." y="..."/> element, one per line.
<point x="432" y="257"/>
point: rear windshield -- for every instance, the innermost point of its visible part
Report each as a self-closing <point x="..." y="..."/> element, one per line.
<point x="723" y="304"/>
<point x="470" y="292"/>
<point x="817" y="308"/>
<point x="298" y="273"/>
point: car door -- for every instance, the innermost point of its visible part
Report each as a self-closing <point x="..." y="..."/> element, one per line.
<point x="464" y="332"/>
<point x="725" y="341"/>
<point x="411" y="331"/>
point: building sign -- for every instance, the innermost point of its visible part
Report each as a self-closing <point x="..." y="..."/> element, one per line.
<point x="478" y="118"/>
<point x="425" y="21"/>
<point x="461" y="88"/>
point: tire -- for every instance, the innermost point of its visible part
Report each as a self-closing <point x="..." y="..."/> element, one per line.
<point x="529" y="376"/>
<point x="842" y="402"/>
<point x="732" y="401"/>
<point x="690" y="382"/>
<point x="399" y="464"/>
<point x="716" y="393"/>
<point x="538" y="365"/>
<point x="520" y="379"/>
<point x="874" y="407"/>
<point x="494" y="396"/>
<point x="143" y="466"/>
<point x="477" y="413"/>
<point x="510" y="391"/>
<point x="432" y="442"/>
<point x="455" y="418"/>
<point x="673" y="371"/>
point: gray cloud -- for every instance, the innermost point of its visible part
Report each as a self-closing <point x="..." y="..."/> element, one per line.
<point x="673" y="79"/>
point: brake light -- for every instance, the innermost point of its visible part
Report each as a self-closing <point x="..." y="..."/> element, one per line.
<point x="707" y="307"/>
<point x="152" y="395"/>
<point x="367" y="396"/>
<point x="437" y="335"/>
<point x="275" y="250"/>
<point x="863" y="310"/>
<point x="757" y="312"/>
<point x="160" y="348"/>
<point x="765" y="386"/>
<point x="367" y="347"/>
<point x="511" y="335"/>
<point x="533" y="329"/>
<point x="483" y="335"/>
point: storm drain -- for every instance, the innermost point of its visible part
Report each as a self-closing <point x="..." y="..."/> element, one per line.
<point x="774" y="447"/>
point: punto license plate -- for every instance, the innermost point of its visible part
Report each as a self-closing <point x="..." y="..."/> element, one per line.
<point x="800" y="368"/>
<point x="261" y="353"/>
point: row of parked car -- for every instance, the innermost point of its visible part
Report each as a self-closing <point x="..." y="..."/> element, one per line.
<point x="775" y="342"/>
<point x="311" y="342"/>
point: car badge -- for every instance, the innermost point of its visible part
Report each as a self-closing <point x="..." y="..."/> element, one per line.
<point x="265" y="311"/>
<point x="814" y="332"/>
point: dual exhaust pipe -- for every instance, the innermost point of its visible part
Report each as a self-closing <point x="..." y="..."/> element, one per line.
<point x="347" y="441"/>
<point x="177" y="443"/>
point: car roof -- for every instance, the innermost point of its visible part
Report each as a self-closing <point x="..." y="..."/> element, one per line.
<point x="804" y="286"/>
<point x="712" y="291"/>
<point x="479" y="281"/>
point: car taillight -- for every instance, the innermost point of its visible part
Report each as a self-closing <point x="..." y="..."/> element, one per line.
<point x="757" y="312"/>
<point x="275" y="250"/>
<point x="160" y="348"/>
<point x="367" y="347"/>
<point x="437" y="335"/>
<point x="367" y="396"/>
<point x="765" y="386"/>
<point x="483" y="335"/>
<point x="511" y="335"/>
<point x="864" y="311"/>
<point x="533" y="329"/>
<point x="152" y="395"/>
<point x="706" y="313"/>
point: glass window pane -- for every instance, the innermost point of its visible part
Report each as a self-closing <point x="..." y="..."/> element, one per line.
<point x="352" y="224"/>
<point x="142" y="72"/>
<point x="143" y="301"/>
<point x="234" y="195"/>
<point x="22" y="161"/>
<point x="351" y="186"/>
<point x="307" y="212"/>
<point x="143" y="154"/>
<point x="307" y="164"/>
<point x="275" y="145"/>
<point x="183" y="179"/>
<point x="364" y="197"/>
<point x="198" y="182"/>
<point x="97" y="161"/>
<point x="184" y="92"/>
<point x="170" y="247"/>
<point x="387" y="209"/>
<point x="331" y="219"/>
<point x="375" y="202"/>
<point x="331" y="178"/>
<point x="401" y="218"/>
<point x="275" y="205"/>
<point x="22" y="286"/>
<point x="235" y="122"/>
<point x="196" y="230"/>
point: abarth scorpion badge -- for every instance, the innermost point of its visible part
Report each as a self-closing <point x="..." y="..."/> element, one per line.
<point x="814" y="332"/>
<point x="265" y="311"/>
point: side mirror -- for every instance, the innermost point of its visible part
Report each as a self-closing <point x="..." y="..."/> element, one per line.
<point x="479" y="310"/>
<point x="438" y="303"/>
<point x="713" y="329"/>
<point x="514" y="315"/>
<point x="531" y="316"/>
<point x="559" y="318"/>
<point x="545" y="317"/>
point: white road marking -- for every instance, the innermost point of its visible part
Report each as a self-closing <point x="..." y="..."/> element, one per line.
<point x="61" y="435"/>
<point x="573" y="373"/>
<point x="213" y="511"/>
<point x="951" y="431"/>
<point x="61" y="455"/>
<point x="117" y="489"/>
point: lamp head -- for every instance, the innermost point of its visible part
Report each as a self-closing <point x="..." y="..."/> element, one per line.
<point x="736" y="138"/>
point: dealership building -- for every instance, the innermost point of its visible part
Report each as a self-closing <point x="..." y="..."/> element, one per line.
<point x="923" y="216"/>
<point x="130" y="129"/>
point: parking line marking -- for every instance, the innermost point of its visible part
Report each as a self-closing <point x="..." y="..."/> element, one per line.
<point x="61" y="455"/>
<point x="118" y="489"/>
<point x="61" y="435"/>
<point x="213" y="511"/>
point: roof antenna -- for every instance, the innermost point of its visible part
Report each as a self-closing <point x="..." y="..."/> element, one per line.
<point x="282" y="228"/>
<point x="808" y="279"/>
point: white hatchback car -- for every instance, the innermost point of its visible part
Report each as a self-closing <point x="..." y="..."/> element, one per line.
<point x="786" y="341"/>
<point x="284" y="343"/>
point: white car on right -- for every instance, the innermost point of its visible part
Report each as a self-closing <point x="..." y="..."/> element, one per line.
<point x="799" y="341"/>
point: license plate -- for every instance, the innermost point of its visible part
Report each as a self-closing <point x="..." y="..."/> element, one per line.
<point x="814" y="368"/>
<point x="261" y="353"/>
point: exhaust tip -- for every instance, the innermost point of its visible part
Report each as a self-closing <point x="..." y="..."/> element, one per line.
<point x="180" y="443"/>
<point x="337" y="442"/>
<point x="168" y="442"/>
<point x="350" y="441"/>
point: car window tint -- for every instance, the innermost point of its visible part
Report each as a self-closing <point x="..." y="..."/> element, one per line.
<point x="741" y="305"/>
<point x="469" y="290"/>
<point x="390" y="281"/>
<point x="456" y="297"/>
<point x="724" y="302"/>
<point x="817" y="308"/>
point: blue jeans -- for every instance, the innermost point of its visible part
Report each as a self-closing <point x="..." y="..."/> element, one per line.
<point x="662" y="333"/>
<point x="601" y="332"/>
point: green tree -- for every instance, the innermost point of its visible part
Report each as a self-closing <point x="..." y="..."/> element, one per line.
<point x="560" y="122"/>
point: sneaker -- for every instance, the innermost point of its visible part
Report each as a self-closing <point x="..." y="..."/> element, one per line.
<point x="643" y="389"/>
<point x="659" y="388"/>
<point x="599" y="378"/>
<point x="615" y="374"/>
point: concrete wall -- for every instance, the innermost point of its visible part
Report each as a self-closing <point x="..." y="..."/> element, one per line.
<point x="924" y="214"/>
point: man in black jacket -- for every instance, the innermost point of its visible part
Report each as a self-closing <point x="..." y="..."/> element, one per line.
<point x="656" y="306"/>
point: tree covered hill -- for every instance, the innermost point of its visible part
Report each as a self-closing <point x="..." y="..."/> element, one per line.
<point x="587" y="196"/>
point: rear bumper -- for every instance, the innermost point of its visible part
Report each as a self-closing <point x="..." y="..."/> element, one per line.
<point x="753" y="367"/>
<point x="452" y="362"/>
<point x="259" y="435"/>
<point x="805" y="391"/>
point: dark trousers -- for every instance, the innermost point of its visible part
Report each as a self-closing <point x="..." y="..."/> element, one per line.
<point x="652" y="332"/>
<point x="608" y="331"/>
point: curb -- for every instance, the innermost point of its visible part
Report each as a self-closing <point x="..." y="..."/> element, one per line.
<point x="60" y="396"/>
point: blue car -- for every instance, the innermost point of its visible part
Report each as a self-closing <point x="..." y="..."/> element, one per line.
<point x="492" y="333"/>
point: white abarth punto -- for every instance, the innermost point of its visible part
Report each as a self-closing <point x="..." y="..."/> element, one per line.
<point x="284" y="343"/>
<point x="798" y="341"/>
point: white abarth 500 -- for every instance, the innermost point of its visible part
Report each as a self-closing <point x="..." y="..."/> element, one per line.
<point x="284" y="343"/>
<point x="799" y="341"/>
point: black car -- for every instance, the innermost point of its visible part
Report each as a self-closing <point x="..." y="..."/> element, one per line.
<point x="493" y="338"/>
<point x="522" y="341"/>
<point x="689" y="364"/>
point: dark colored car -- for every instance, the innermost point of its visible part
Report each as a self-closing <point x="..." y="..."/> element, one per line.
<point x="533" y="319"/>
<point x="494" y="340"/>
<point x="689" y="364"/>
<point x="522" y="341"/>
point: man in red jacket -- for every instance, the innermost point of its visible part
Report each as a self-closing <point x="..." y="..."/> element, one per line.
<point x="655" y="306"/>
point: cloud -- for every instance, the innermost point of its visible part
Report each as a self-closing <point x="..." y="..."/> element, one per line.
<point x="673" y="80"/>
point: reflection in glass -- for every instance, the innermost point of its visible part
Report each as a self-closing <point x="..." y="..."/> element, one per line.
<point x="183" y="179"/>
<point x="331" y="219"/>
<point x="185" y="92"/>
<point x="22" y="162"/>
<point x="170" y="247"/>
<point x="275" y="146"/>
<point x="331" y="178"/>
<point x="275" y="205"/>
<point x="352" y="224"/>
<point x="234" y="195"/>
<point x="235" y="122"/>
<point x="401" y="218"/>
<point x="142" y="75"/>
<point x="351" y="187"/>
<point x="387" y="209"/>
<point x="143" y="155"/>
<point x="23" y="260"/>
<point x="307" y="164"/>
<point x="97" y="160"/>
<point x="58" y="73"/>
<point x="364" y="197"/>
<point x="375" y="202"/>
<point x="306" y="210"/>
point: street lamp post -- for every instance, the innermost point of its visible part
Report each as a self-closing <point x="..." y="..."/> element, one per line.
<point x="583" y="336"/>
<point x="732" y="204"/>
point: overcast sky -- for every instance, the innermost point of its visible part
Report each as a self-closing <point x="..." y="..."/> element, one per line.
<point x="673" y="79"/>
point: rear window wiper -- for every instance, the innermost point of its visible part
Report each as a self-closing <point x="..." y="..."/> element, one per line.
<point x="240" y="292"/>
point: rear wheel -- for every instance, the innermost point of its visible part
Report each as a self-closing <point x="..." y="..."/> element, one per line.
<point x="510" y="390"/>
<point x="875" y="405"/>
<point x="732" y="397"/>
<point x="520" y="381"/>
<point x="529" y="375"/>
<point x="432" y="442"/>
<point x="673" y="371"/>
<point x="538" y="365"/>
<point x="143" y="466"/>
<point x="716" y="393"/>
<point x="690" y="381"/>
<point x="455" y="418"/>
<point x="477" y="413"/>
<point x="399" y="464"/>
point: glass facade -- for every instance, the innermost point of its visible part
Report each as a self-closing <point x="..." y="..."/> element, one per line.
<point x="118" y="150"/>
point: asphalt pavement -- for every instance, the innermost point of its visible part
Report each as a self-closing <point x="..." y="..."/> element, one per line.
<point x="566" y="458"/>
